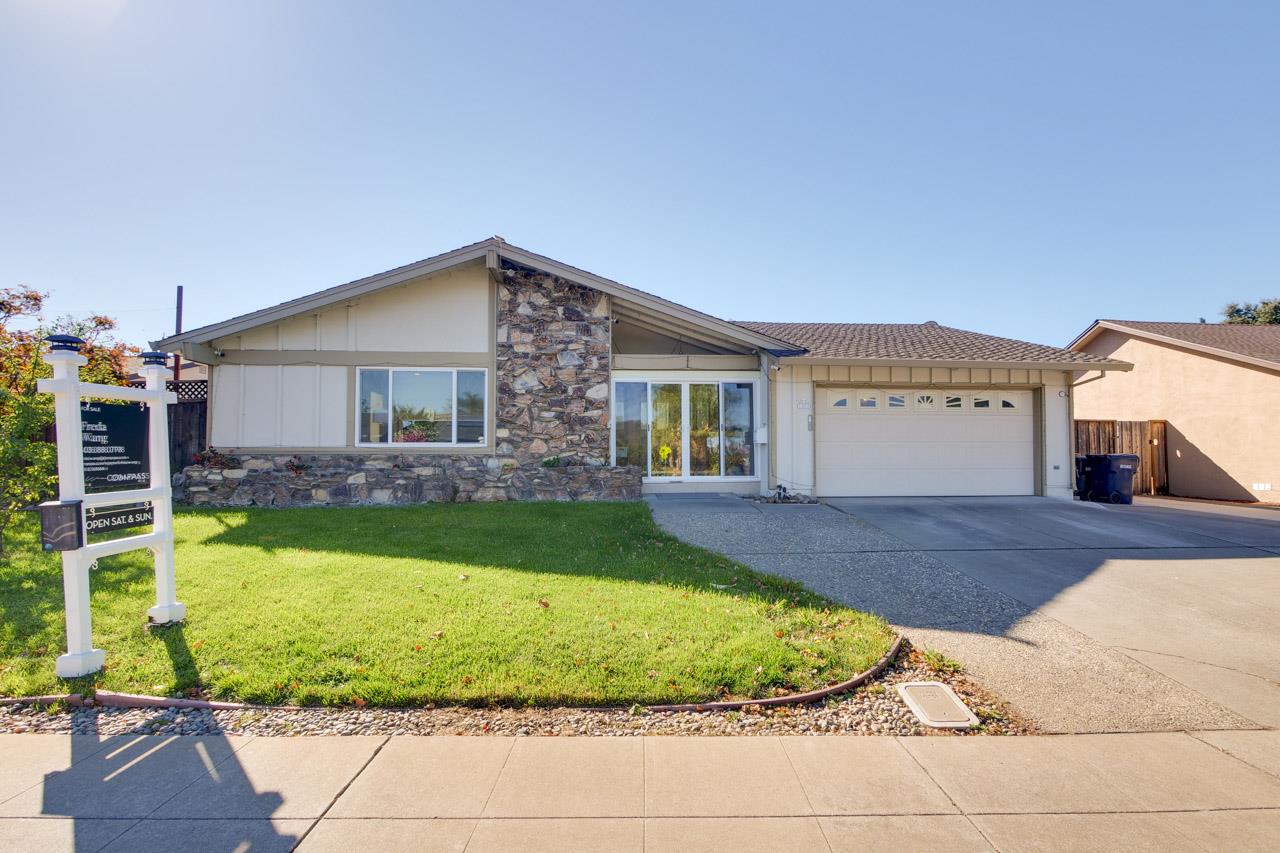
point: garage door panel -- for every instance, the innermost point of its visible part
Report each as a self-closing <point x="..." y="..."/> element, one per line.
<point x="940" y="452"/>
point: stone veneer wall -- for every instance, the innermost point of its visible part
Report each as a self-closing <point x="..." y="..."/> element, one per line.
<point x="350" y="479"/>
<point x="552" y="401"/>
<point x="553" y="369"/>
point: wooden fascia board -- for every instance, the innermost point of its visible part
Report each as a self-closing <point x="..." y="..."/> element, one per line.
<point x="325" y="298"/>
<point x="982" y="365"/>
<point x="656" y="304"/>
<point x="492" y="251"/>
<point x="676" y="331"/>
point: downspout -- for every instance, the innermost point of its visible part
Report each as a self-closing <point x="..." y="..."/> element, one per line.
<point x="766" y="413"/>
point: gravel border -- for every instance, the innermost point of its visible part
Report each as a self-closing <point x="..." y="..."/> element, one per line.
<point x="872" y="709"/>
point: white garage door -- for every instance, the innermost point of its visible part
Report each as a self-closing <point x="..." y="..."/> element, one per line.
<point x="934" y="441"/>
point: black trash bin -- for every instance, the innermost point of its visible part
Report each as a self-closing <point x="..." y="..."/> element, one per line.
<point x="1106" y="477"/>
<point x="1082" y="477"/>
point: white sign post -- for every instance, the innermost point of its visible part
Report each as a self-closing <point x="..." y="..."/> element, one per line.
<point x="67" y="389"/>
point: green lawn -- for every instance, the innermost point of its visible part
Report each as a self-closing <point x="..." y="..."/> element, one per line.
<point x="512" y="603"/>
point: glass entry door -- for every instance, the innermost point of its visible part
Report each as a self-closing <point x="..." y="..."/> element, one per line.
<point x="666" y="430"/>
<point x="685" y="430"/>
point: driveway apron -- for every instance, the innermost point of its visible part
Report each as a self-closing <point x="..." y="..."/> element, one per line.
<point x="1160" y="616"/>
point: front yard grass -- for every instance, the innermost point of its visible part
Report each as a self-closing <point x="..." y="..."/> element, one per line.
<point x="475" y="603"/>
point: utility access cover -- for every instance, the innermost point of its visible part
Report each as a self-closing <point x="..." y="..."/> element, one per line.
<point x="936" y="705"/>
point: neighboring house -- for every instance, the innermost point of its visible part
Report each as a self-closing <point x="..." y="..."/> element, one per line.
<point x="491" y="373"/>
<point x="191" y="371"/>
<point x="1216" y="385"/>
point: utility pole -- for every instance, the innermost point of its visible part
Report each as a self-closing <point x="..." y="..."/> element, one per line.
<point x="177" y="330"/>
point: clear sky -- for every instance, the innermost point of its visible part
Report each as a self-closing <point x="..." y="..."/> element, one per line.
<point x="1016" y="168"/>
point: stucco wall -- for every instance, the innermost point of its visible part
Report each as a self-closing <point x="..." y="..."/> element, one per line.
<point x="793" y="400"/>
<point x="1223" y="418"/>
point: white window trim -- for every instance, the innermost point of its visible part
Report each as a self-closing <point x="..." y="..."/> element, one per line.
<point x="685" y="381"/>
<point x="925" y="410"/>
<point x="391" y="383"/>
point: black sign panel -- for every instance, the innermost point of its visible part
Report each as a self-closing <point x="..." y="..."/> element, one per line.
<point x="106" y="519"/>
<point x="114" y="438"/>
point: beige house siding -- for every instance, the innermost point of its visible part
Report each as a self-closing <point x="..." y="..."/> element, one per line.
<point x="289" y="384"/>
<point x="445" y="312"/>
<point x="1223" y="417"/>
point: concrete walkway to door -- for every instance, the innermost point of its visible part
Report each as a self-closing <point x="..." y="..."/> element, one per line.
<point x="1166" y="792"/>
<point x="1088" y="618"/>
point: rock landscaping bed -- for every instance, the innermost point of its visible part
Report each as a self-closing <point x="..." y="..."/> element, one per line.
<point x="874" y="709"/>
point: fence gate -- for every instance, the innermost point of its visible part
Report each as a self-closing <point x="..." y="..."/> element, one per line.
<point x="1146" y="439"/>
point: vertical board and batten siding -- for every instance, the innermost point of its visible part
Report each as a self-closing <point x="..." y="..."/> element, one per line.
<point x="1146" y="439"/>
<point x="794" y="387"/>
<point x="279" y="406"/>
<point x="309" y="405"/>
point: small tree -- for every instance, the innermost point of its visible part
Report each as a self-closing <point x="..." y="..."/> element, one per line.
<point x="28" y="459"/>
<point x="1265" y="312"/>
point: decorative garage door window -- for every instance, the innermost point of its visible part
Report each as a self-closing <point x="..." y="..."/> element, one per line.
<point x="873" y="401"/>
<point x="425" y="407"/>
<point x="685" y="429"/>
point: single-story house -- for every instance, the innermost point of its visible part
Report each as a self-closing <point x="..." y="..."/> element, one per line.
<point x="491" y="372"/>
<point x="1217" y="387"/>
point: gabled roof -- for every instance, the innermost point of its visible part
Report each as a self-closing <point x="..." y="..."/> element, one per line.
<point x="493" y="251"/>
<point x="924" y="343"/>
<point x="1248" y="344"/>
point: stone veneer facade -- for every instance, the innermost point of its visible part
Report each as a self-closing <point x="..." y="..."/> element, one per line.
<point x="552" y="377"/>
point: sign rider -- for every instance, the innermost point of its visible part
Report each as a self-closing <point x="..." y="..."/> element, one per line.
<point x="127" y="485"/>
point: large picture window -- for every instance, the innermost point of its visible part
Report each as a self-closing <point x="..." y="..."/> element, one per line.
<point x="678" y="430"/>
<point x="420" y="406"/>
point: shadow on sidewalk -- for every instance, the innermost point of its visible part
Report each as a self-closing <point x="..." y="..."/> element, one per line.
<point x="143" y="792"/>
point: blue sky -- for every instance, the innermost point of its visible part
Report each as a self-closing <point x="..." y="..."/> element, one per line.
<point x="1015" y="168"/>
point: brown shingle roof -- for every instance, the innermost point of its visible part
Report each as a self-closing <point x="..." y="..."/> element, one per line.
<point x="1259" y="342"/>
<point x="916" y="342"/>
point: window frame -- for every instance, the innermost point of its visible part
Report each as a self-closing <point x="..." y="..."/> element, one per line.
<point x="833" y="395"/>
<point x="486" y="439"/>
<point x="686" y="475"/>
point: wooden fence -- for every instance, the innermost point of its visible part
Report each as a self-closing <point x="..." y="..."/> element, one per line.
<point x="1144" y="438"/>
<point x="187" y="423"/>
<point x="188" y="419"/>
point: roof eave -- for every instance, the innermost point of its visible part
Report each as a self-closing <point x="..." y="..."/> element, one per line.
<point x="1110" y="364"/>
<point x="447" y="260"/>
<point x="723" y="328"/>
<point x="329" y="296"/>
<point x="1241" y="358"/>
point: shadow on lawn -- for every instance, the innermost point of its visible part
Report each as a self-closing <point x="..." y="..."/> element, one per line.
<point x="610" y="541"/>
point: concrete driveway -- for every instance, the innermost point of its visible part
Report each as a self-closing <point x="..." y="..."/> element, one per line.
<point x="1164" y="615"/>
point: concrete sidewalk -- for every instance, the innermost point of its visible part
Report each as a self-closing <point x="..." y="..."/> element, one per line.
<point x="1167" y="792"/>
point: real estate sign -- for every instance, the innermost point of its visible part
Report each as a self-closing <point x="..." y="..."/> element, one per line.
<point x="113" y="437"/>
<point x="113" y="474"/>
